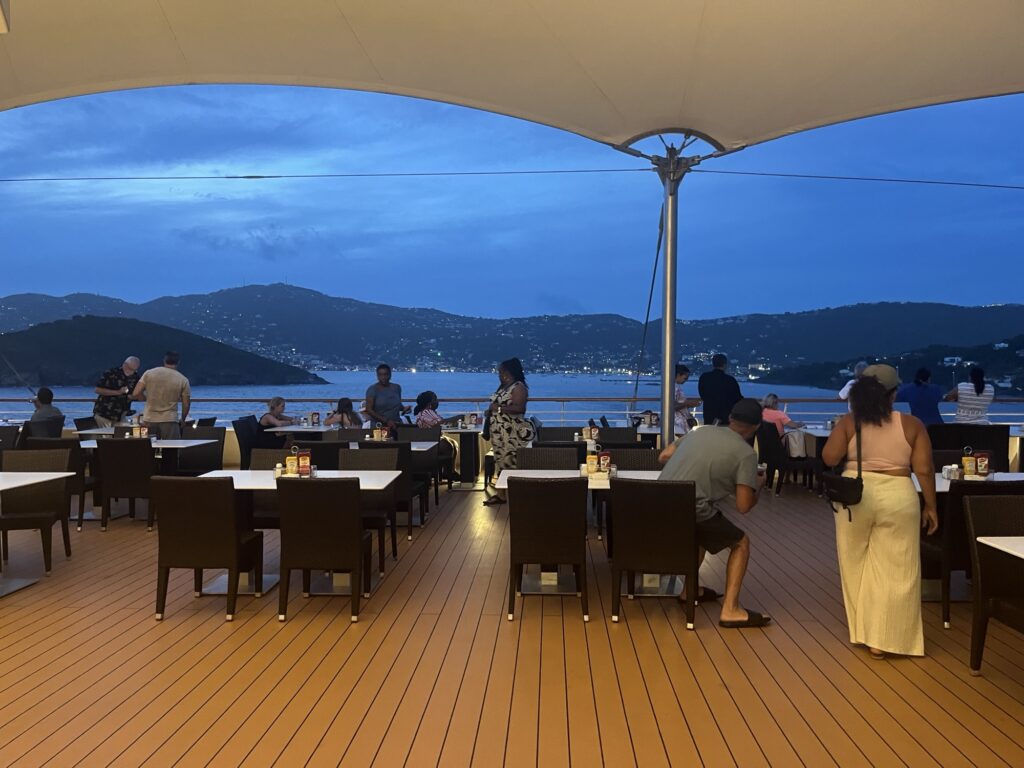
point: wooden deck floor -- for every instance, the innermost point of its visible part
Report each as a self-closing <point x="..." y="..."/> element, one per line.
<point x="434" y="674"/>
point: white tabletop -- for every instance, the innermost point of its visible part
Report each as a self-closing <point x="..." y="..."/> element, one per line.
<point x="815" y="431"/>
<point x="97" y="431"/>
<point x="942" y="484"/>
<point x="645" y="429"/>
<point x="264" y="480"/>
<point x="169" y="444"/>
<point x="11" y="480"/>
<point x="478" y="428"/>
<point x="598" y="481"/>
<point x="318" y="430"/>
<point x="417" y="445"/>
<point x="1013" y="545"/>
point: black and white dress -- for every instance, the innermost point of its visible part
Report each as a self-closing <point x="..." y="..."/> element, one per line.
<point x="508" y="432"/>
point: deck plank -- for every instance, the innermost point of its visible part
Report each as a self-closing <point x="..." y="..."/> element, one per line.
<point x="434" y="674"/>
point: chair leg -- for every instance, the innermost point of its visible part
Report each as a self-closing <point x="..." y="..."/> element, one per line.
<point x="131" y="508"/>
<point x="307" y="582"/>
<point x="197" y="582"/>
<point x="81" y="509"/>
<point x="257" y="586"/>
<point x="581" y="587"/>
<point x="616" y="592"/>
<point x="631" y="588"/>
<point x="944" y="582"/>
<point x="367" y="565"/>
<point x="380" y="550"/>
<point x="105" y="514"/>
<point x="979" y="628"/>
<point x="691" y="597"/>
<point x="282" y="597"/>
<point x="46" y="533"/>
<point x="233" y="575"/>
<point x="514" y="575"/>
<point x="150" y="514"/>
<point x="437" y="487"/>
<point x="65" y="529"/>
<point x="163" y="574"/>
<point x="393" y="524"/>
<point x="408" y="506"/>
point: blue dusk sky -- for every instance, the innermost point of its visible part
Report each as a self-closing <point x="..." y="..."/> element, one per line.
<point x="497" y="246"/>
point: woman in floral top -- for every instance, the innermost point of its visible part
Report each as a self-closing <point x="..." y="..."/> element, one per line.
<point x="510" y="429"/>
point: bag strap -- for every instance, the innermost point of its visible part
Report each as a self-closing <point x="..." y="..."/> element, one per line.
<point x="856" y="427"/>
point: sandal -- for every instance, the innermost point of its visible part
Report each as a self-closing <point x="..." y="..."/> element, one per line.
<point x="754" y="619"/>
<point x="493" y="501"/>
<point x="876" y="654"/>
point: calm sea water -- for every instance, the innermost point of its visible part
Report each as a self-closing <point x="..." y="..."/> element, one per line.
<point x="452" y="386"/>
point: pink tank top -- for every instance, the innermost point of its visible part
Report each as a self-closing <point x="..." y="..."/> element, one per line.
<point x="883" y="448"/>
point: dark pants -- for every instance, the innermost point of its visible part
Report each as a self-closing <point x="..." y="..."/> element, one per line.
<point x="165" y="430"/>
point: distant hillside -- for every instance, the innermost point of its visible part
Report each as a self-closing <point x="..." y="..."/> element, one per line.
<point x="1004" y="365"/>
<point x="75" y="352"/>
<point x="308" y="328"/>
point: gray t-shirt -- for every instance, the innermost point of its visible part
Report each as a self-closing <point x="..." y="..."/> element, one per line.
<point x="387" y="401"/>
<point x="45" y="413"/>
<point x="164" y="389"/>
<point x="716" y="460"/>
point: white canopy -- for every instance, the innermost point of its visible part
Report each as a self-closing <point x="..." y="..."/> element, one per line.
<point x="736" y="72"/>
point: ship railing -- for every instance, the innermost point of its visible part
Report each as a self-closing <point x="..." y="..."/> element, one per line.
<point x="552" y="411"/>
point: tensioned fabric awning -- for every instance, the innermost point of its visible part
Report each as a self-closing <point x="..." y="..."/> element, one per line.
<point x="737" y="72"/>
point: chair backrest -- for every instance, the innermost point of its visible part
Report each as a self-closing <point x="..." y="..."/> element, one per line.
<point x="207" y="421"/>
<point x="952" y="533"/>
<point x="9" y="436"/>
<point x="268" y="458"/>
<point x="45" y="427"/>
<point x="996" y="574"/>
<point x="580" y="447"/>
<point x="609" y="445"/>
<point x="321" y="523"/>
<point x="200" y="523"/>
<point x="414" y="434"/>
<point x="547" y="458"/>
<point x="604" y="423"/>
<point x="558" y="434"/>
<point x="35" y="498"/>
<point x="246" y="430"/>
<point x="125" y="468"/>
<point x="86" y="422"/>
<point x="769" y="445"/>
<point x="322" y="455"/>
<point x="349" y="435"/>
<point x="547" y="520"/>
<point x="203" y="458"/>
<point x="642" y="459"/>
<point x="76" y="454"/>
<point x="994" y="438"/>
<point x="403" y="487"/>
<point x="655" y="524"/>
<point x="379" y="459"/>
<point x="122" y="432"/>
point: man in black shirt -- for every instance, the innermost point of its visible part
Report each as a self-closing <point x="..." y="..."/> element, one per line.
<point x="115" y="389"/>
<point x="719" y="391"/>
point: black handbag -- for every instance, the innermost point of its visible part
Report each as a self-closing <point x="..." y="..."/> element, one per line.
<point x="846" y="491"/>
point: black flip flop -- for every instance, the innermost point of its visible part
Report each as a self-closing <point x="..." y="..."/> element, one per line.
<point x="754" y="619"/>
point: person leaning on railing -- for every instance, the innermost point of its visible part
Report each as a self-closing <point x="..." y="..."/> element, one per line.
<point x="878" y="542"/>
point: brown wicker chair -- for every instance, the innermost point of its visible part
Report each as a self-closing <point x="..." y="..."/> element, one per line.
<point x="201" y="459"/>
<point x="547" y="458"/>
<point x="379" y="508"/>
<point x="407" y="487"/>
<point x="580" y="448"/>
<point x="264" y="503"/>
<point x="547" y="524"/>
<point x="998" y="576"/>
<point x="949" y="548"/>
<point x="323" y="454"/>
<point x="952" y="438"/>
<point x="444" y="456"/>
<point x="44" y="428"/>
<point x="322" y="529"/>
<point x="81" y="483"/>
<point x="202" y="526"/>
<point x="636" y="457"/>
<point x="125" y="469"/>
<point x="656" y="533"/>
<point x="558" y="434"/>
<point x="36" y="507"/>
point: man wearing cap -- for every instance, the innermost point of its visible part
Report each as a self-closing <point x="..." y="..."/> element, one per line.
<point x="721" y="463"/>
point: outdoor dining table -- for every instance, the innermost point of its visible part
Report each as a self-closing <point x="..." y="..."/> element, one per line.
<point x="298" y="429"/>
<point x="469" y="450"/>
<point x="942" y="484"/>
<point x="1011" y="545"/>
<point x="596" y="481"/>
<point x="9" y="481"/>
<point x="255" y="480"/>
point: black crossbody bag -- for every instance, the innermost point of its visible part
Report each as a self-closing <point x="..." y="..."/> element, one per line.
<point x="846" y="491"/>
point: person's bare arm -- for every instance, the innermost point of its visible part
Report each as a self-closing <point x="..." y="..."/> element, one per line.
<point x="666" y="454"/>
<point x="838" y="441"/>
<point x="140" y="388"/>
<point x="924" y="468"/>
<point x="374" y="416"/>
<point x="111" y="392"/>
<point x="746" y="497"/>
<point x="186" y="403"/>
<point x="952" y="396"/>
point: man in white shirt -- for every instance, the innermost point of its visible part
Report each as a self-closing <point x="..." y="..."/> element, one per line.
<point x="858" y="371"/>
<point x="683" y="403"/>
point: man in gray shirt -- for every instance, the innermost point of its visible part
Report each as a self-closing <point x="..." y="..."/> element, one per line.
<point x="384" y="399"/>
<point x="721" y="463"/>
<point x="45" y="409"/>
<point x="164" y="388"/>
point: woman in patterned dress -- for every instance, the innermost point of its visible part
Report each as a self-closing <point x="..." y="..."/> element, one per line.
<point x="510" y="429"/>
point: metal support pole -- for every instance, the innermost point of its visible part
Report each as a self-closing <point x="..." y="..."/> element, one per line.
<point x="671" y="170"/>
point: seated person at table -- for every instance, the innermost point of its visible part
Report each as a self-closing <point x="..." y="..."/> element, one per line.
<point x="721" y="463"/>
<point x="780" y="419"/>
<point x="274" y="417"/>
<point x="45" y="410"/>
<point x="345" y="417"/>
<point x="426" y="412"/>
